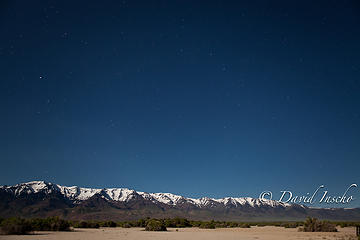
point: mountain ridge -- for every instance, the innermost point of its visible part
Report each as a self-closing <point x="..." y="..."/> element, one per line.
<point x="43" y="199"/>
<point x="125" y="194"/>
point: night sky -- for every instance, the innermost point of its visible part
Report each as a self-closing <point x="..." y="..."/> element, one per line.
<point x="198" y="98"/>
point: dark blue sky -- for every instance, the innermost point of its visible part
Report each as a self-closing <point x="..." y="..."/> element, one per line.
<point x="227" y="98"/>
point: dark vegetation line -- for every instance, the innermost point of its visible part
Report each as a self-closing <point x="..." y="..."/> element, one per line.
<point x="26" y="226"/>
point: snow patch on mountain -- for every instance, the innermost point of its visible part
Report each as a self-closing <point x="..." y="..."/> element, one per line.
<point x="120" y="194"/>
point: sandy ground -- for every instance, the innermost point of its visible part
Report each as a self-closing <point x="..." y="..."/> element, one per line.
<point x="259" y="233"/>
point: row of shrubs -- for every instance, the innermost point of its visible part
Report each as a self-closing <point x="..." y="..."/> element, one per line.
<point x="183" y="222"/>
<point x="25" y="226"/>
<point x="310" y="225"/>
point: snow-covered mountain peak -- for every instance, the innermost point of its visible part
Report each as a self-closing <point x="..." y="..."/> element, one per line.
<point x="30" y="187"/>
<point x="167" y="198"/>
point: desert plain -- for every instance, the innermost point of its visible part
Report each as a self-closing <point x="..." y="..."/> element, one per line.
<point x="253" y="233"/>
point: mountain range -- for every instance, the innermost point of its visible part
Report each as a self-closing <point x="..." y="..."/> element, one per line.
<point x="43" y="199"/>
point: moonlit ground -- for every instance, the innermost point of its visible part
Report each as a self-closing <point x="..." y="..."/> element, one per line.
<point x="259" y="233"/>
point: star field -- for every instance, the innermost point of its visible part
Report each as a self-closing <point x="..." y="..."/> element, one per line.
<point x="219" y="99"/>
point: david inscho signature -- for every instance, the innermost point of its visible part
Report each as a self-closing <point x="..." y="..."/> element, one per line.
<point x="318" y="196"/>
